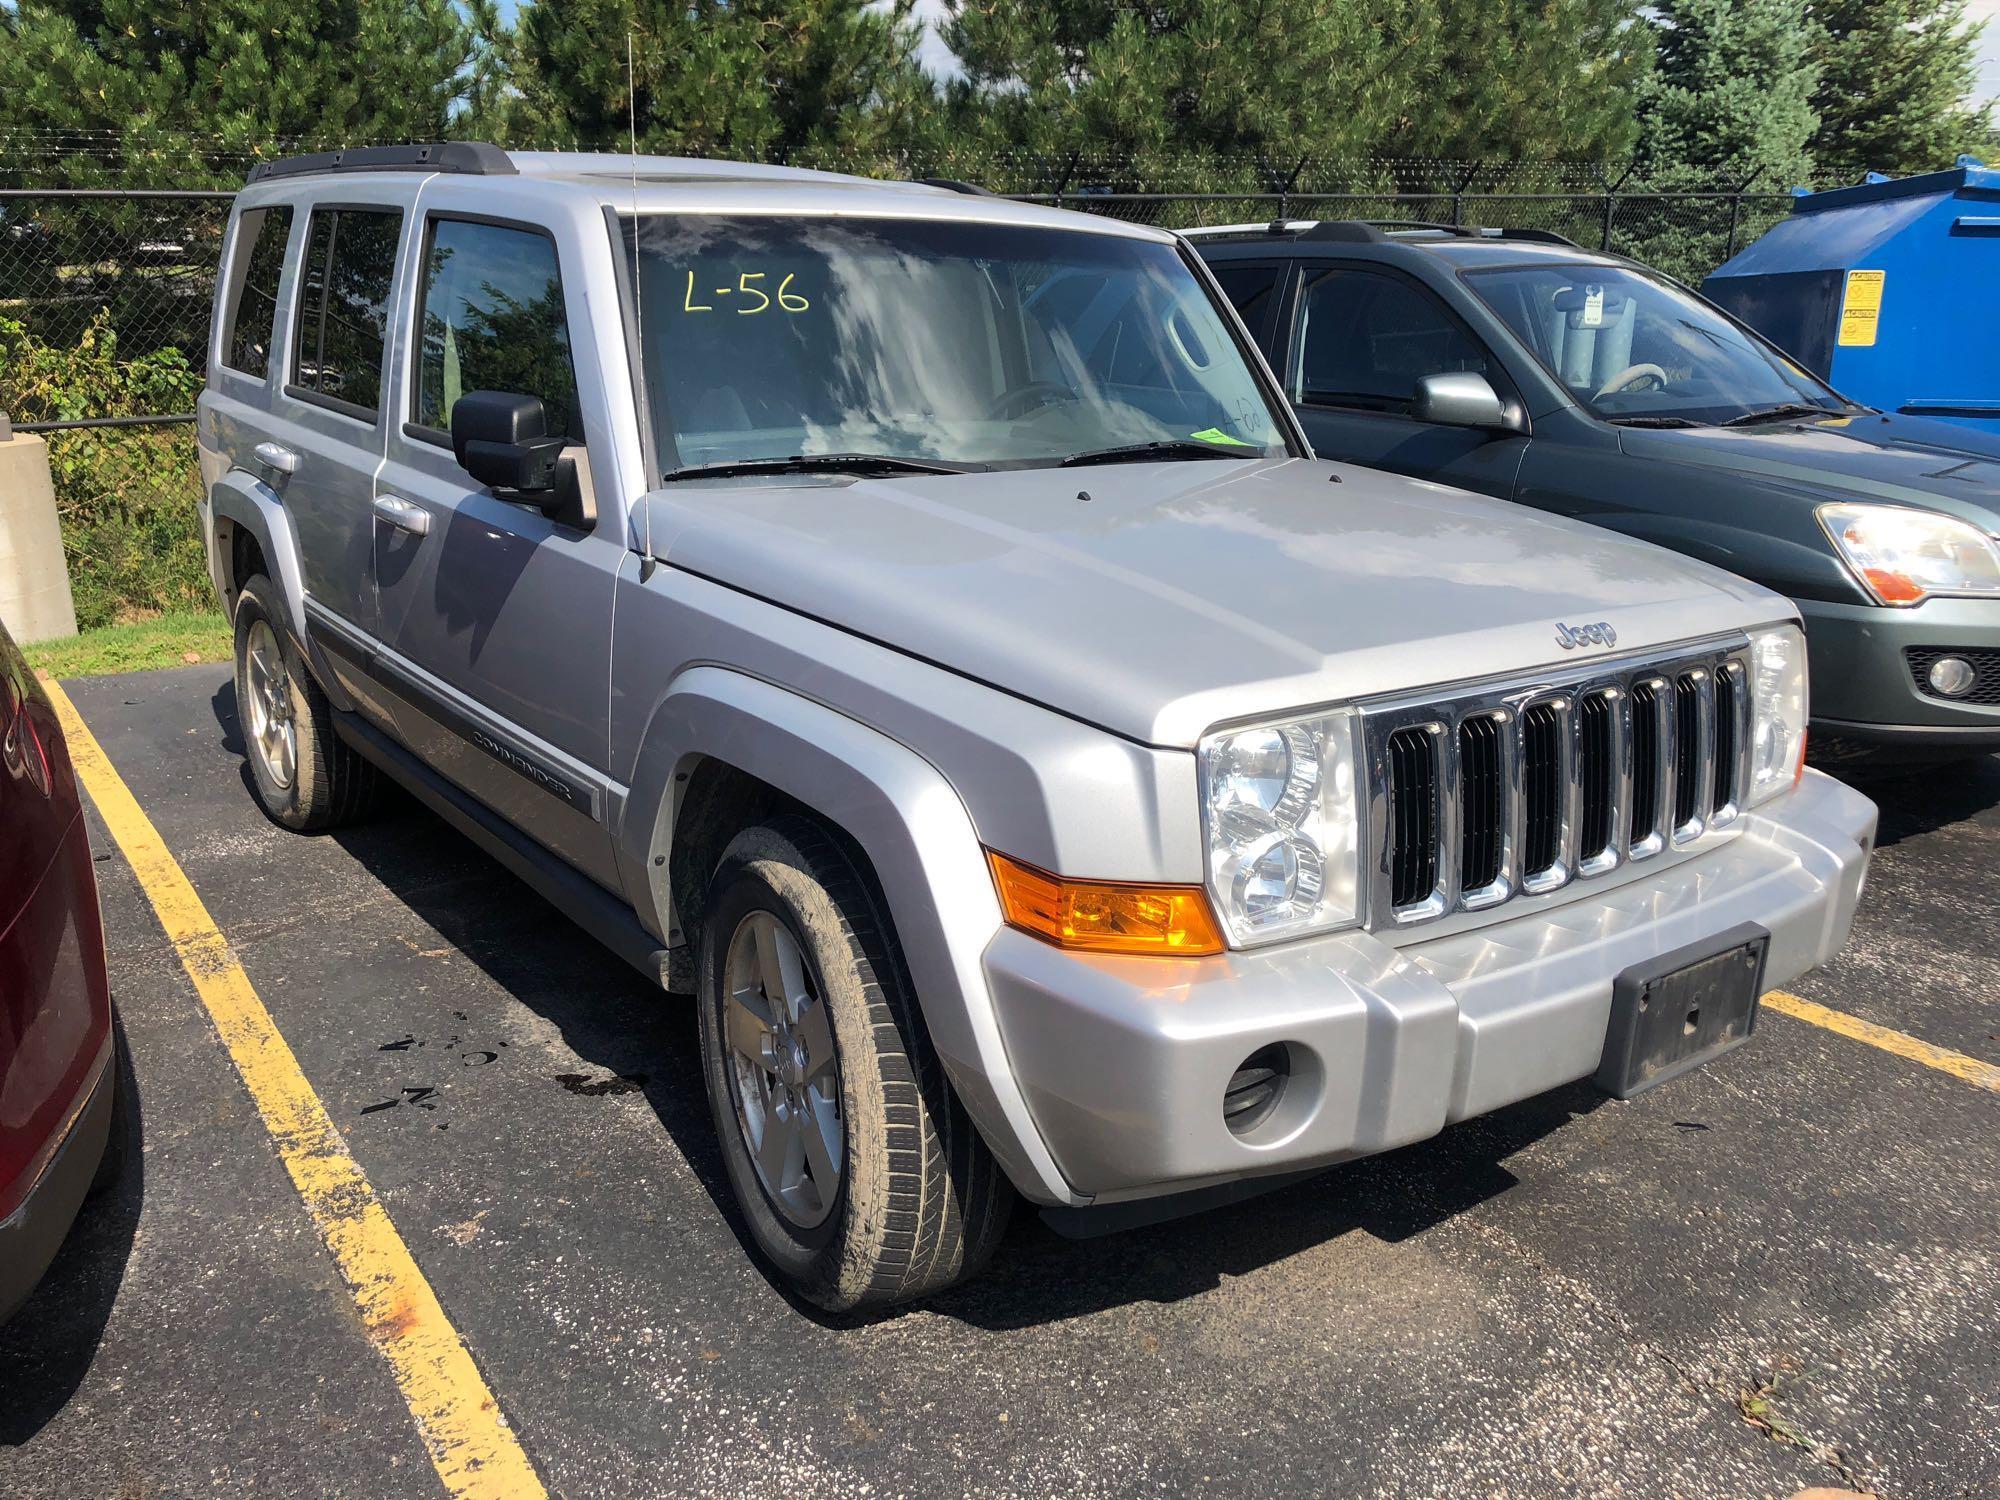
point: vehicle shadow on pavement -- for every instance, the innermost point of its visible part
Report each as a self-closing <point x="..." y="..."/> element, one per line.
<point x="48" y="1346"/>
<point x="644" y="1040"/>
<point x="637" y="1038"/>
<point x="1919" y="800"/>
<point x="1040" y="1276"/>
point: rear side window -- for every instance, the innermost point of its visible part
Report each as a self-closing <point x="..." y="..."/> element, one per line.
<point x="343" y="309"/>
<point x="253" y="294"/>
<point x="1365" y="339"/>
<point x="492" y="320"/>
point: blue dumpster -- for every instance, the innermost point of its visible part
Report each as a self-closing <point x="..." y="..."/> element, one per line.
<point x="1890" y="291"/>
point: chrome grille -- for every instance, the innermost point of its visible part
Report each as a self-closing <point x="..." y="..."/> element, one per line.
<point x="1480" y="795"/>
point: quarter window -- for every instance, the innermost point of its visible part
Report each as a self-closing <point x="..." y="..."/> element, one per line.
<point x="1366" y="339"/>
<point x="1252" y="290"/>
<point x="344" y="306"/>
<point x="492" y="320"/>
<point x="253" y="298"/>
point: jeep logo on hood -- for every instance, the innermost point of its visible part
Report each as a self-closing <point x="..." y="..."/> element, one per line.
<point x="1596" y="633"/>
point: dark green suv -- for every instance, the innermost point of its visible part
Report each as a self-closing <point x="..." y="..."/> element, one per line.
<point x="1518" y="364"/>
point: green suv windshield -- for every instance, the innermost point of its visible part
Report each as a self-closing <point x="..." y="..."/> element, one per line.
<point x="1637" y="350"/>
<point x="928" y="342"/>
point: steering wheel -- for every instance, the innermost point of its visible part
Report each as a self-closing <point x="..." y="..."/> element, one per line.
<point x="1629" y="378"/>
<point x="1033" y="396"/>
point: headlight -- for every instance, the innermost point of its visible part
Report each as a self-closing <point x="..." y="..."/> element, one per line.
<point x="1281" y="814"/>
<point x="1905" y="556"/>
<point x="1777" y="710"/>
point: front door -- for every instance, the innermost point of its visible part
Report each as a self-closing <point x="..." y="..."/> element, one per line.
<point x="497" y="619"/>
<point x="1362" y="338"/>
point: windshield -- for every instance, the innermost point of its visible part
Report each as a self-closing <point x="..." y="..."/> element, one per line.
<point x="968" y="344"/>
<point x="1632" y="348"/>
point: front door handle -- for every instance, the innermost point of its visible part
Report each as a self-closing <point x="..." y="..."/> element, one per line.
<point x="404" y="515"/>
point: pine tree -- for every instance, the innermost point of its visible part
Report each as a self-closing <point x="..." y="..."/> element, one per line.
<point x="1535" y="80"/>
<point x="1733" y="88"/>
<point x="110" y="91"/>
<point x="1894" y="81"/>
<point x="1215" y="79"/>
<point x="1729" y="102"/>
<point x="764" y="79"/>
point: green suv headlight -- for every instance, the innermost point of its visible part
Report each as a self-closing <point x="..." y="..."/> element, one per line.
<point x="1903" y="556"/>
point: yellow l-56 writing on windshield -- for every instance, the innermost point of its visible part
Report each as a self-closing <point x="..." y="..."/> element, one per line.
<point x="787" y="299"/>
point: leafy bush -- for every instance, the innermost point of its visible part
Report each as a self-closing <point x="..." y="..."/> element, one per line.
<point x="126" y="495"/>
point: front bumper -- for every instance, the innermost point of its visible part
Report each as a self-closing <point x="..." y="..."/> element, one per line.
<point x="1862" y="688"/>
<point x="1124" y="1062"/>
<point x="31" y="1235"/>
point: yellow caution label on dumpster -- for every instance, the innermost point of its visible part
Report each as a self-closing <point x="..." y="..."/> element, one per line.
<point x="1861" y="309"/>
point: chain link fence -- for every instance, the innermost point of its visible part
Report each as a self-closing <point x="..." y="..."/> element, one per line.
<point x="105" y="296"/>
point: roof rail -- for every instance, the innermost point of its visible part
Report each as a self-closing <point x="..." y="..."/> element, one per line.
<point x="1537" y="237"/>
<point x="474" y="158"/>
<point x="953" y="185"/>
<point x="1348" y="231"/>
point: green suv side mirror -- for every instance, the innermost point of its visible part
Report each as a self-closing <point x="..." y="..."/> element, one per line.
<point x="1459" y="398"/>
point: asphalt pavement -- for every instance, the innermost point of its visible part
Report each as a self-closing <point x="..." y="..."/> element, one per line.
<point x="1778" y="1272"/>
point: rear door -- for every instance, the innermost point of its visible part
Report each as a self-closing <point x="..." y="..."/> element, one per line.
<point x="1361" y="338"/>
<point x="330" y="409"/>
<point x="497" y="618"/>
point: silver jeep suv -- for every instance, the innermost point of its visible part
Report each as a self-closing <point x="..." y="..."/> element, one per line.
<point x="914" y="623"/>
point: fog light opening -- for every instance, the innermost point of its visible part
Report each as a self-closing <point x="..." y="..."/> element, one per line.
<point x="1952" y="676"/>
<point x="1257" y="1088"/>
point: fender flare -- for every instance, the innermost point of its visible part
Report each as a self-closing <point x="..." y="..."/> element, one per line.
<point x="915" y="831"/>
<point x="248" y="502"/>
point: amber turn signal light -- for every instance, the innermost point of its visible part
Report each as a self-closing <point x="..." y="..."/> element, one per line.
<point x="1894" y="588"/>
<point x="1095" y="916"/>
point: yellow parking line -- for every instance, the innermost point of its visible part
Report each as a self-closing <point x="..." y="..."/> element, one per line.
<point x="475" y="1453"/>
<point x="1984" y="1075"/>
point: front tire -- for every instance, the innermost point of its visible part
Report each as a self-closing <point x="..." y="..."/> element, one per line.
<point x="860" y="1175"/>
<point x="306" y="777"/>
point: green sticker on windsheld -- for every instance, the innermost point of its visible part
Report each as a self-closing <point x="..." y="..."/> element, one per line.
<point x="1217" y="435"/>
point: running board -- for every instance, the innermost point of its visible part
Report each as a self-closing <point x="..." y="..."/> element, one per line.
<point x="576" y="896"/>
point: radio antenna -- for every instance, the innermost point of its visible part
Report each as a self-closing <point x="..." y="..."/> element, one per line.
<point x="638" y="281"/>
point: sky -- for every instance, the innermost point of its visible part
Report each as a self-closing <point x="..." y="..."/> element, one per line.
<point x="1988" y="86"/>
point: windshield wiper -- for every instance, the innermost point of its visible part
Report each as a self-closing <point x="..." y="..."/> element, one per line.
<point x="1170" y="448"/>
<point x="1779" y="414"/>
<point x="817" y="463"/>
<point x="1651" y="420"/>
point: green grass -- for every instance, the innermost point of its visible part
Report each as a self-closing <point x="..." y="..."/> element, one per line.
<point x="167" y="641"/>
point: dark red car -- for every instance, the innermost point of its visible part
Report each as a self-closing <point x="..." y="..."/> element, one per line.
<point x="58" y="1075"/>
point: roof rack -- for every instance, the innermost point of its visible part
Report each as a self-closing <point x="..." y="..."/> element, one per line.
<point x="1373" y="231"/>
<point x="474" y="158"/>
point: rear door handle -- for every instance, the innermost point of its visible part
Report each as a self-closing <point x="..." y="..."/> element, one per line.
<point x="277" y="458"/>
<point x="404" y="515"/>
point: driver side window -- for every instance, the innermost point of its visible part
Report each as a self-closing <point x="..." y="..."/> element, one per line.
<point x="492" y="319"/>
<point x="1365" y="339"/>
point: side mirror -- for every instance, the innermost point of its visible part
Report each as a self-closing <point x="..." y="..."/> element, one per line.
<point x="502" y="440"/>
<point x="1459" y="398"/>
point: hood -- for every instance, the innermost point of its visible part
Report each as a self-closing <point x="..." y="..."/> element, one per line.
<point x="1877" y="457"/>
<point x="1157" y="600"/>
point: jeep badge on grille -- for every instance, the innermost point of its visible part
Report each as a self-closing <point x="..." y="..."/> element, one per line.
<point x="1596" y="633"/>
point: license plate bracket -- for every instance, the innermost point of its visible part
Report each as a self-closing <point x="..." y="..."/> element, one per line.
<point x="1683" y="1009"/>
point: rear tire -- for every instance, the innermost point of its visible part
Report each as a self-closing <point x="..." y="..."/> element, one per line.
<point x="896" y="1197"/>
<point x="306" y="777"/>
